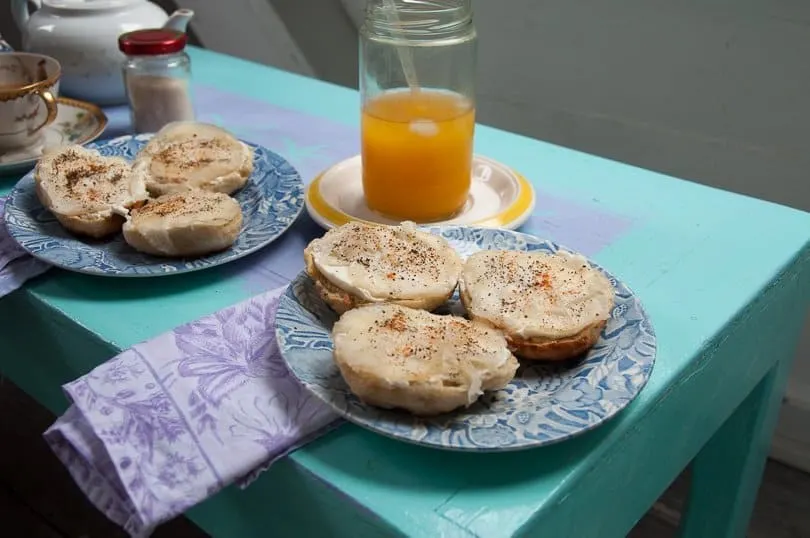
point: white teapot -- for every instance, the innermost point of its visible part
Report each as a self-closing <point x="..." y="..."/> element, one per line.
<point x="83" y="36"/>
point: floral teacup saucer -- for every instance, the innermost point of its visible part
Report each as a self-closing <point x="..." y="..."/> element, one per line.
<point x="499" y="197"/>
<point x="77" y="122"/>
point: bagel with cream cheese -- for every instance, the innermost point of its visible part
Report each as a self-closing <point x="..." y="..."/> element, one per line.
<point x="550" y="306"/>
<point x="392" y="356"/>
<point x="361" y="263"/>
<point x="191" y="155"/>
<point x="88" y="193"/>
<point x="184" y="224"/>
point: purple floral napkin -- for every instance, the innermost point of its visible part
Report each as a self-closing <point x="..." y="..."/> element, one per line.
<point x="173" y="420"/>
<point x="15" y="265"/>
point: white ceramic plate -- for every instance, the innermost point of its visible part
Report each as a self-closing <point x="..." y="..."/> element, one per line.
<point x="499" y="197"/>
<point x="77" y="122"/>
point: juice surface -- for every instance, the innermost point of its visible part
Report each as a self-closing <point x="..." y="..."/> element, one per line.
<point x="417" y="153"/>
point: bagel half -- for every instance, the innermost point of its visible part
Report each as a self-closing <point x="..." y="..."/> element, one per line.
<point x="550" y="306"/>
<point x="184" y="224"/>
<point x="392" y="356"/>
<point x="192" y="155"/>
<point x="358" y="264"/>
<point x="88" y="193"/>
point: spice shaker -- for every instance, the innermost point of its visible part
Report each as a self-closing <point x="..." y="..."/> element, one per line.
<point x="157" y="73"/>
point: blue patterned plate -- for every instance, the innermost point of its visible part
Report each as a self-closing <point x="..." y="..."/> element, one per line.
<point x="271" y="201"/>
<point x="544" y="404"/>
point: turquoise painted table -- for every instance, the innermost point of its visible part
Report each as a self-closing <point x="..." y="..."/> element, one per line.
<point x="725" y="278"/>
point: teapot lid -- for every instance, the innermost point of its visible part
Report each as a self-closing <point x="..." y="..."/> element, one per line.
<point x="86" y="4"/>
<point x="152" y="42"/>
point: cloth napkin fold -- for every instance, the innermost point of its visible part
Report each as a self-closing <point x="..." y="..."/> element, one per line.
<point x="171" y="421"/>
<point x="16" y="266"/>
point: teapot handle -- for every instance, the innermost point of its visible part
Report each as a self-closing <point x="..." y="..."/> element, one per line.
<point x="19" y="10"/>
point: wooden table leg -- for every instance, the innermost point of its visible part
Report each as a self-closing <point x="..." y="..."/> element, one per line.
<point x="726" y="473"/>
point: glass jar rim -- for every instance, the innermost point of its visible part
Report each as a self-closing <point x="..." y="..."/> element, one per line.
<point x="421" y="6"/>
<point x="418" y="18"/>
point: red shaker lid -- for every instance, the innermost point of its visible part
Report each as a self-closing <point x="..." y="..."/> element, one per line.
<point x="152" y="42"/>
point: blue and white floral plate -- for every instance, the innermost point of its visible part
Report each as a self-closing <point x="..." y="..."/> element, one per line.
<point x="544" y="404"/>
<point x="271" y="201"/>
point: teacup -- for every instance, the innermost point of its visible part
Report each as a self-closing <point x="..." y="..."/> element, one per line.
<point x="29" y="84"/>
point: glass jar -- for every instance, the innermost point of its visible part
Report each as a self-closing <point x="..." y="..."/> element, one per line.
<point x="417" y="84"/>
<point x="157" y="73"/>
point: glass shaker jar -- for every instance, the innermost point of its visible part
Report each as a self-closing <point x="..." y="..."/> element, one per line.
<point x="417" y="84"/>
<point x="157" y="72"/>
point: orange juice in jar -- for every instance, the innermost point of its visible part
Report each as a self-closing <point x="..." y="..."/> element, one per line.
<point x="417" y="153"/>
<point x="418" y="115"/>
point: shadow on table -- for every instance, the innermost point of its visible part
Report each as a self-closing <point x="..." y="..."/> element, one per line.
<point x="452" y="486"/>
<point x="450" y="470"/>
<point x="268" y="268"/>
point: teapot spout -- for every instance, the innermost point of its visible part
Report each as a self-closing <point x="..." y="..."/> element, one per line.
<point x="179" y="20"/>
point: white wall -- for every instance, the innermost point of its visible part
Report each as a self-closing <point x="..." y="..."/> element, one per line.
<point x="250" y="29"/>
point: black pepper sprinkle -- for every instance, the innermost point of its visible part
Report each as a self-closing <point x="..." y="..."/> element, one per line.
<point x="88" y="178"/>
<point x="403" y="258"/>
<point x="521" y="281"/>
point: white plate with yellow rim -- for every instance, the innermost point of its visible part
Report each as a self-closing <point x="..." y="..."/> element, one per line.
<point x="499" y="197"/>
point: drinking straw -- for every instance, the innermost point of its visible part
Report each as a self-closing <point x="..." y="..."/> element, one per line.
<point x="404" y="53"/>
